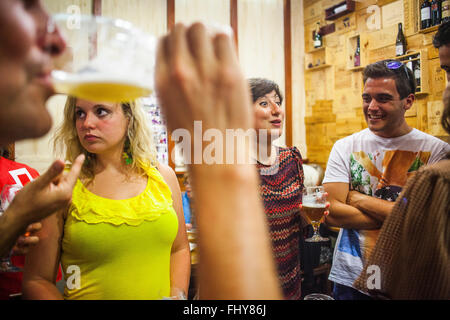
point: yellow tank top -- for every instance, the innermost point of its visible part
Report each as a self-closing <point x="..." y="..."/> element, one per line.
<point x="119" y="248"/>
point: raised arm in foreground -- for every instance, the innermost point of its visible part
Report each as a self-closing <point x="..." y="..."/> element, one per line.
<point x="198" y="78"/>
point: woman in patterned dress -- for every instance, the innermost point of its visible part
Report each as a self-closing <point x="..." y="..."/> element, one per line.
<point x="281" y="184"/>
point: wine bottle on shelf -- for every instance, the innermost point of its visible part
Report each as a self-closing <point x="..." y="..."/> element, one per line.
<point x="425" y="14"/>
<point x="417" y="73"/>
<point x="400" y="43"/>
<point x="435" y="12"/>
<point x="445" y="11"/>
<point x="357" y="56"/>
<point x="317" y="37"/>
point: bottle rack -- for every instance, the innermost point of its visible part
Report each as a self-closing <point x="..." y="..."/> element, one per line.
<point x="421" y="58"/>
<point x="317" y="59"/>
<point x="339" y="10"/>
<point x="351" y="47"/>
<point x="419" y="24"/>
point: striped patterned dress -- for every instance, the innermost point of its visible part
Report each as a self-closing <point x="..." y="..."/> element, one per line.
<point x="281" y="190"/>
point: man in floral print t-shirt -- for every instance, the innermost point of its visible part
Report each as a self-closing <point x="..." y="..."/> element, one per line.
<point x="367" y="170"/>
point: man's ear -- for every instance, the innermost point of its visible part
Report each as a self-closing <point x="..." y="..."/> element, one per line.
<point x="409" y="100"/>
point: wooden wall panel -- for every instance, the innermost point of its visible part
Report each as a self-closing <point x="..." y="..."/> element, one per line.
<point x="287" y="72"/>
<point x="261" y="41"/>
<point x="212" y="12"/>
<point x="65" y="6"/>
<point x="149" y="16"/>
<point x="298" y="76"/>
<point x="437" y="79"/>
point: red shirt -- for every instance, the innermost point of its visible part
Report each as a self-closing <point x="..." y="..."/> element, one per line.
<point x="15" y="173"/>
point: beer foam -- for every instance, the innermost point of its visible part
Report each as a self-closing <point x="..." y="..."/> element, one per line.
<point x="94" y="77"/>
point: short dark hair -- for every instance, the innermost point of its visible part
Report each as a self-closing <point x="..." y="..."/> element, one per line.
<point x="403" y="76"/>
<point x="4" y="152"/>
<point x="442" y="36"/>
<point x="259" y="87"/>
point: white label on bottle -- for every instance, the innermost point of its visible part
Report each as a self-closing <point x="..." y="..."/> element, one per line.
<point x="425" y="13"/>
<point x="409" y="65"/>
<point x="417" y="73"/>
<point x="340" y="8"/>
<point x="445" y="9"/>
<point x="399" y="50"/>
<point x="317" y="43"/>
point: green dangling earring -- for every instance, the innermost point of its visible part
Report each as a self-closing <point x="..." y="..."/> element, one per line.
<point x="88" y="159"/>
<point x="127" y="153"/>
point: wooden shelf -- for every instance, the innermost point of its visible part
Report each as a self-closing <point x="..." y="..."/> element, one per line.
<point x="319" y="58"/>
<point x="348" y="5"/>
<point x="407" y="55"/>
<point x="356" y="68"/>
<point x="421" y="58"/>
<point x="430" y="29"/>
<point x="316" y="50"/>
<point x="322" y="66"/>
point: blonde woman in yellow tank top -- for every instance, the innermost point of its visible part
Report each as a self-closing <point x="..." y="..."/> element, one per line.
<point x="123" y="236"/>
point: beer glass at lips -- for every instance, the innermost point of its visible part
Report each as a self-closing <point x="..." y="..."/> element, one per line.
<point x="105" y="59"/>
<point x="313" y="206"/>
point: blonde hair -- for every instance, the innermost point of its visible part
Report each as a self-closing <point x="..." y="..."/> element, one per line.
<point x="139" y="136"/>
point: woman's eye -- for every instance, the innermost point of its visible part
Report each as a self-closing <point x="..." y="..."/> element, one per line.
<point x="79" y="114"/>
<point x="102" y="112"/>
<point x="263" y="104"/>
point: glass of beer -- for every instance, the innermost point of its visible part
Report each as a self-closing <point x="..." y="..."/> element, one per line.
<point x="105" y="59"/>
<point x="317" y="296"/>
<point x="313" y="206"/>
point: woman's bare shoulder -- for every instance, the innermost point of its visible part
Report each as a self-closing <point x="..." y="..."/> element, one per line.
<point x="168" y="174"/>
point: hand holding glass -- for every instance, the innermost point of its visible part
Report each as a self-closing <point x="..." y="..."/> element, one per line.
<point x="314" y="204"/>
<point x="105" y="60"/>
<point x="6" y="196"/>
